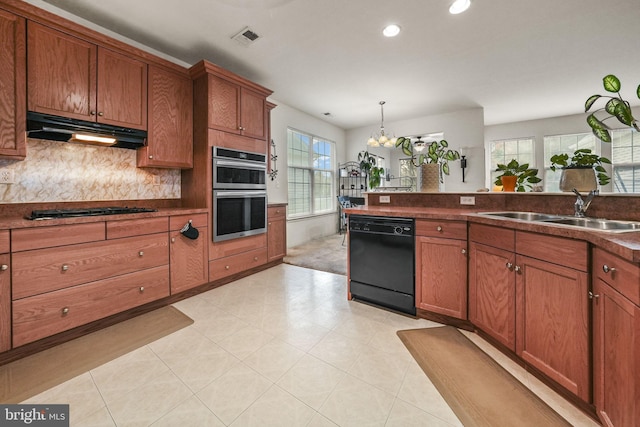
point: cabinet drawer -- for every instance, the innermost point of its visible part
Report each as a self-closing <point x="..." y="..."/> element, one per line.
<point x="25" y="239"/>
<point x="47" y="314"/>
<point x="442" y="228"/>
<point x="274" y="212"/>
<point x="237" y="263"/>
<point x="558" y="250"/>
<point x="176" y="222"/>
<point x="237" y="246"/>
<point x="4" y="241"/>
<point x="620" y="274"/>
<point x="45" y="270"/>
<point x="498" y="237"/>
<point x="136" y="227"/>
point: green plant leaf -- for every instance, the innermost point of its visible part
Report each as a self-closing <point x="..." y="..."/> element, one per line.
<point x="445" y="168"/>
<point x="610" y="106"/>
<point x="444" y="143"/>
<point x="623" y="113"/>
<point x="406" y="147"/>
<point x="611" y="83"/>
<point x="600" y="130"/>
<point x="592" y="99"/>
<point x="638" y="91"/>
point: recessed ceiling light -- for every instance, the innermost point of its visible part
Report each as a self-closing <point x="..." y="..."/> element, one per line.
<point x="391" y="30"/>
<point x="459" y="6"/>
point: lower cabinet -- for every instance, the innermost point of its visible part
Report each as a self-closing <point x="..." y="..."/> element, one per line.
<point x="519" y="296"/>
<point x="188" y="256"/>
<point x="616" y="339"/>
<point x="441" y="267"/>
<point x="276" y="232"/>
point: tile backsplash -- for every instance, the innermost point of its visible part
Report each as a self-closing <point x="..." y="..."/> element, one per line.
<point x="62" y="172"/>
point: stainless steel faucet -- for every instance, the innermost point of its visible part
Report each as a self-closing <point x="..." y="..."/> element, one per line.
<point x="581" y="206"/>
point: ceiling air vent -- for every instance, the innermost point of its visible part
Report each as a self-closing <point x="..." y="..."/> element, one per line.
<point x="246" y="36"/>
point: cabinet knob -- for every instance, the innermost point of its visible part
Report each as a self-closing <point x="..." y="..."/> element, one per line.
<point x="141" y="289"/>
<point x="517" y="269"/>
<point x="65" y="267"/>
<point x="173" y="240"/>
<point x="151" y="157"/>
<point x="240" y="128"/>
<point x="93" y="113"/>
<point x="141" y="253"/>
<point x="439" y="228"/>
<point x="65" y="311"/>
<point x="4" y="267"/>
<point x="463" y="251"/>
<point x="593" y="296"/>
<point x="101" y="114"/>
<point x="255" y="258"/>
<point x="226" y="267"/>
<point x="509" y="266"/>
<point x="269" y="224"/>
<point x="608" y="269"/>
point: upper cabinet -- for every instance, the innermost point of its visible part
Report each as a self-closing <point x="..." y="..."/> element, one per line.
<point x="12" y="87"/>
<point x="170" y="135"/>
<point x="234" y="104"/>
<point x="70" y="77"/>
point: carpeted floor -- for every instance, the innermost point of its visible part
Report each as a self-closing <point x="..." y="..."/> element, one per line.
<point x="324" y="254"/>
<point x="477" y="388"/>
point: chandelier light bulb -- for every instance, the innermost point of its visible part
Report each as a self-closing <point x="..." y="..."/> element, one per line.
<point x="459" y="6"/>
<point x="391" y="30"/>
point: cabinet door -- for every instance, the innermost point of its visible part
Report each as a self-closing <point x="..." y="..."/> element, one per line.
<point x="188" y="261"/>
<point x="277" y="238"/>
<point x="492" y="296"/>
<point x="441" y="279"/>
<point x="616" y="348"/>
<point x="5" y="303"/>
<point x="224" y="105"/>
<point x="61" y="73"/>
<point x="122" y="90"/>
<point x="252" y="114"/>
<point x="170" y="136"/>
<point x="552" y="324"/>
<point x="13" y="89"/>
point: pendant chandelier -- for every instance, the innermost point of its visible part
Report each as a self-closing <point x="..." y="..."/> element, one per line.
<point x="380" y="139"/>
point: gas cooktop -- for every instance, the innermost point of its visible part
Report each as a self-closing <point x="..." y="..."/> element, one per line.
<point x="68" y="213"/>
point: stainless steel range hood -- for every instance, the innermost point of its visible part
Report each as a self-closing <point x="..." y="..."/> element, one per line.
<point x="55" y="128"/>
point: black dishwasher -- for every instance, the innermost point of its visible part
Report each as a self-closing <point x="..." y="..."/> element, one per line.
<point x="382" y="261"/>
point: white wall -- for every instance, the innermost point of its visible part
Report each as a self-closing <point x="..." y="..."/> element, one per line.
<point x="464" y="130"/>
<point x="282" y="117"/>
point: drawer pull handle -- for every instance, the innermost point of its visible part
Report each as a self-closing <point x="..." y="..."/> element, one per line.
<point x="608" y="269"/>
<point x="65" y="311"/>
<point x="4" y="267"/>
<point x="509" y="266"/>
<point x="226" y="267"/>
<point x="141" y="253"/>
<point x="65" y="267"/>
<point x="439" y="228"/>
<point x="141" y="289"/>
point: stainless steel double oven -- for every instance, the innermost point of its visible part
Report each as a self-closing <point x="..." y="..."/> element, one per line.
<point x="239" y="194"/>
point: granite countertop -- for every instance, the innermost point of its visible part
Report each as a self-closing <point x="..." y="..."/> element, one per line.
<point x="625" y="245"/>
<point x="13" y="222"/>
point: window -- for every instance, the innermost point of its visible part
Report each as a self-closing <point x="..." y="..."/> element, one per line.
<point x="625" y="157"/>
<point x="311" y="174"/>
<point x="502" y="152"/>
<point x="408" y="175"/>
<point x="561" y="144"/>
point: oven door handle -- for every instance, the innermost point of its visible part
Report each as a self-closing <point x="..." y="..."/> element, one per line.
<point x="243" y="165"/>
<point x="227" y="194"/>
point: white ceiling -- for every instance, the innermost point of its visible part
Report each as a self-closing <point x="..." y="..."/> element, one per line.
<point x="517" y="59"/>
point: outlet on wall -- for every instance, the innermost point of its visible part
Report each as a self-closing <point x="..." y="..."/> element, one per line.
<point x="7" y="176"/>
<point x="385" y="199"/>
<point x="467" y="200"/>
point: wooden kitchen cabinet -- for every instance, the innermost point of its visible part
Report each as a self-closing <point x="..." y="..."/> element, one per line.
<point x="522" y="297"/>
<point x="170" y="135"/>
<point x="441" y="267"/>
<point x="189" y="261"/>
<point x="13" y="88"/>
<point x="616" y="339"/>
<point x="5" y="292"/>
<point x="71" y="77"/>
<point x="276" y="232"/>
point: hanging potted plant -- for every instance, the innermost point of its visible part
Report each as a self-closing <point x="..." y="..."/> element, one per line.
<point x="516" y="177"/>
<point x="369" y="166"/>
<point x="615" y="107"/>
<point x="434" y="163"/>
<point x="584" y="171"/>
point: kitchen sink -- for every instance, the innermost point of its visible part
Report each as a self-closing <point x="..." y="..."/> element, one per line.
<point x="596" y="224"/>
<point x="525" y="216"/>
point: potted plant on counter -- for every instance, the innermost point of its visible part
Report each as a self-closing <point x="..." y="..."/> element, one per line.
<point x="434" y="163"/>
<point x="369" y="166"/>
<point x="581" y="170"/>
<point x="516" y="177"/>
<point x="615" y="107"/>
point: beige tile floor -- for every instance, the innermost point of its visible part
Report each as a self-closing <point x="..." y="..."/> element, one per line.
<point x="281" y="348"/>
